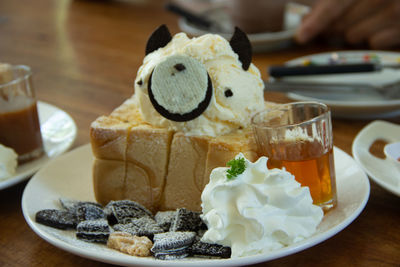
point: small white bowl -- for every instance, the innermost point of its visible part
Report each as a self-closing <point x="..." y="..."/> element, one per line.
<point x="392" y="152"/>
<point x="382" y="171"/>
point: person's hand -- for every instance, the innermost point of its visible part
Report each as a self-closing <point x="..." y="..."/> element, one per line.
<point x="376" y="22"/>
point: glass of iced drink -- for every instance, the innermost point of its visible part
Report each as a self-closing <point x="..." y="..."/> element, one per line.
<point x="298" y="137"/>
<point x="19" y="122"/>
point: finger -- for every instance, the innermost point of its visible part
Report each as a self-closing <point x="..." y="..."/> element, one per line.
<point x="366" y="28"/>
<point x="358" y="12"/>
<point x="388" y="38"/>
<point x="322" y="14"/>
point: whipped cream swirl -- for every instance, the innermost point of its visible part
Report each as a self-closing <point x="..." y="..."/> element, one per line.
<point x="258" y="211"/>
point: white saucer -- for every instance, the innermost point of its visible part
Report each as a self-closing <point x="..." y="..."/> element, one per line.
<point x="354" y="106"/>
<point x="382" y="171"/>
<point x="58" y="133"/>
<point x="70" y="176"/>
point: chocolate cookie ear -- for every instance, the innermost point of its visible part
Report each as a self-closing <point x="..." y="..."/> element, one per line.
<point x="241" y="46"/>
<point x="159" y="38"/>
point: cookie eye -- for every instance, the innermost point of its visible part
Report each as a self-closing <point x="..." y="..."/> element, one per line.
<point x="180" y="67"/>
<point x="228" y="93"/>
<point x="180" y="88"/>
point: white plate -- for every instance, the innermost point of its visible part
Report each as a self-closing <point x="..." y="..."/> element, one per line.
<point x="382" y="171"/>
<point x="58" y="133"/>
<point x="70" y="176"/>
<point x="358" y="106"/>
<point x="261" y="42"/>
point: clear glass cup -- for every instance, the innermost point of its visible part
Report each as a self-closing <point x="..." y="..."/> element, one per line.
<point x="298" y="137"/>
<point x="19" y="122"/>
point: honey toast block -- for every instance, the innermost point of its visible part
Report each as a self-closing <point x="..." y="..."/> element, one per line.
<point x="184" y="181"/>
<point x="147" y="156"/>
<point x="128" y="112"/>
<point x="108" y="180"/>
<point x="137" y="186"/>
<point x="159" y="168"/>
<point x="109" y="134"/>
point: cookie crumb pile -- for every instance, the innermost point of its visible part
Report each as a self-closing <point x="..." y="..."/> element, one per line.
<point x="132" y="229"/>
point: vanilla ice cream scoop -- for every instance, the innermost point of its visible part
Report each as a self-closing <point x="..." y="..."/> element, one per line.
<point x="8" y="162"/>
<point x="257" y="210"/>
<point x="199" y="86"/>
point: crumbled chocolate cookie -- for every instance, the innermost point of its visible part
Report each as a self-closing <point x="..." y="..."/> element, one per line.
<point x="159" y="38"/>
<point x="93" y="231"/>
<point x="172" y="254"/>
<point x="123" y="211"/>
<point x="83" y="210"/>
<point x="241" y="45"/>
<point x="133" y="227"/>
<point x="172" y="245"/>
<point x="56" y="218"/>
<point x="89" y="212"/>
<point x="72" y="205"/>
<point x="180" y="67"/>
<point x="228" y="93"/>
<point x="144" y="226"/>
<point x="200" y="248"/>
<point x="165" y="218"/>
<point x="186" y="220"/>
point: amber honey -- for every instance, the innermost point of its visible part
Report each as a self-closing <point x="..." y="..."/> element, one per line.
<point x="309" y="164"/>
<point x="20" y="128"/>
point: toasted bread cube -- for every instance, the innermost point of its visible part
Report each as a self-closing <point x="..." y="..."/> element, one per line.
<point x="108" y="136"/>
<point x="108" y="180"/>
<point x="184" y="182"/>
<point x="149" y="148"/>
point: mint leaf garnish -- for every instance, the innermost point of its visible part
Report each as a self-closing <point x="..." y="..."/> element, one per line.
<point x="237" y="167"/>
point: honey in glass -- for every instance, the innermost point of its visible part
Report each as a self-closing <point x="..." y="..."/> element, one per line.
<point x="298" y="137"/>
<point x="19" y="122"/>
<point x="20" y="128"/>
<point x="310" y="166"/>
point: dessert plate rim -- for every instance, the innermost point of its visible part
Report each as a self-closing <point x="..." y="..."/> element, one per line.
<point x="357" y="109"/>
<point x="49" y="184"/>
<point x="52" y="148"/>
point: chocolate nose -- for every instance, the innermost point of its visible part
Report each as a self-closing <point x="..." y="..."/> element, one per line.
<point x="180" y="88"/>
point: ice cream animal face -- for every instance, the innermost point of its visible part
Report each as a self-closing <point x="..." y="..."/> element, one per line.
<point x="204" y="85"/>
